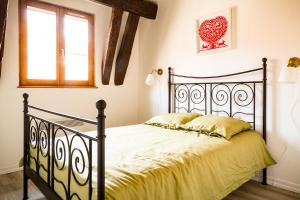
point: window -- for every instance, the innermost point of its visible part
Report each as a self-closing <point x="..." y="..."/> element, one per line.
<point x="56" y="46"/>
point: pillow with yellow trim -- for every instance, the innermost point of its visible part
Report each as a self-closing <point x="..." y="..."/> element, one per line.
<point x="223" y="126"/>
<point x="172" y="120"/>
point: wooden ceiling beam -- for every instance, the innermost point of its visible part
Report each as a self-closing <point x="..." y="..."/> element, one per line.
<point x="111" y="44"/>
<point x="123" y="57"/>
<point x="3" y="16"/>
<point x="145" y="9"/>
<point x="136" y="9"/>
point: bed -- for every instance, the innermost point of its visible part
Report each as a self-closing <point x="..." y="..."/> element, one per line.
<point x="164" y="164"/>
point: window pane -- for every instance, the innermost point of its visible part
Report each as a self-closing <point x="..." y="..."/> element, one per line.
<point x="41" y="37"/>
<point x="76" y="48"/>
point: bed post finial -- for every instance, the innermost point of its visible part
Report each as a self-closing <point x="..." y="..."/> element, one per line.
<point x="25" y="97"/>
<point x="101" y="105"/>
<point x="265" y="62"/>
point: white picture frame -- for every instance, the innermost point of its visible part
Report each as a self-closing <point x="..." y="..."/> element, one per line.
<point x="214" y="32"/>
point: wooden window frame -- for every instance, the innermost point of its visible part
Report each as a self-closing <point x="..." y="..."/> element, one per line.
<point x="60" y="46"/>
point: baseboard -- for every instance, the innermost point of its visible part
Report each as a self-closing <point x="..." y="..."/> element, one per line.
<point x="277" y="182"/>
<point x="284" y="184"/>
<point x="10" y="169"/>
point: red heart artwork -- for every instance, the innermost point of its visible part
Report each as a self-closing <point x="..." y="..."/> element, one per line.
<point x="212" y="30"/>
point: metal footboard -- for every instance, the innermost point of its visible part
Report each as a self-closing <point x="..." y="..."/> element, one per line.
<point x="57" y="157"/>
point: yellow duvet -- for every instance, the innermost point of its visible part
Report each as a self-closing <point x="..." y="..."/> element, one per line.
<point x="151" y="163"/>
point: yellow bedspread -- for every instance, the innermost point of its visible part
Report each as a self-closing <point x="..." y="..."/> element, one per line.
<point x="147" y="162"/>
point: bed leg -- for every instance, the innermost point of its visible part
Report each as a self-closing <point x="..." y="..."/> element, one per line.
<point x="25" y="186"/>
<point x="264" y="181"/>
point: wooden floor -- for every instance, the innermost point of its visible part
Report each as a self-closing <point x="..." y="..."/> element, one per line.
<point x="11" y="189"/>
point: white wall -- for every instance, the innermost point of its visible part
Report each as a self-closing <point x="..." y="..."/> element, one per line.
<point x="79" y="102"/>
<point x="268" y="28"/>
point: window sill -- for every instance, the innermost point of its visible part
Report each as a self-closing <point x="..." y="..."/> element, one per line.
<point x="68" y="87"/>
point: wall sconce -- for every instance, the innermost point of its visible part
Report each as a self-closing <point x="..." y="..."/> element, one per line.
<point x="151" y="78"/>
<point x="289" y="74"/>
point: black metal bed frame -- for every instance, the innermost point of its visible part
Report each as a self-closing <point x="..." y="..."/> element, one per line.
<point x="43" y="135"/>
<point x="229" y="98"/>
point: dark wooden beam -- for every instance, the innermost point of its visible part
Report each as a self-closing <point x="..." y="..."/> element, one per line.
<point x="3" y="16"/>
<point x="126" y="48"/>
<point x="2" y="49"/>
<point x="136" y="9"/>
<point x="145" y="9"/>
<point x="110" y="49"/>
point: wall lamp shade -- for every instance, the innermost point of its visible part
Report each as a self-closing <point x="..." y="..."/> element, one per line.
<point x="289" y="74"/>
<point x="150" y="80"/>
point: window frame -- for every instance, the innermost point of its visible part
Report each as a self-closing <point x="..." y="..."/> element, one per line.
<point x="60" y="46"/>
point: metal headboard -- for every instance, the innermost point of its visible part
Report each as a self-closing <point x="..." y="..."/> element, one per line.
<point x="229" y="98"/>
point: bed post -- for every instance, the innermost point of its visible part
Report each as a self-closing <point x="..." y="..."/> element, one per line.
<point x="25" y="145"/>
<point x="101" y="105"/>
<point x="169" y="89"/>
<point x="264" y="181"/>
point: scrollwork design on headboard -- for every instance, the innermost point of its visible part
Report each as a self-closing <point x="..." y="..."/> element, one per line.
<point x="228" y="98"/>
<point x="181" y="93"/>
<point x="220" y="96"/>
<point x="233" y="99"/>
<point x="197" y="93"/>
<point x="241" y="96"/>
<point x="189" y="97"/>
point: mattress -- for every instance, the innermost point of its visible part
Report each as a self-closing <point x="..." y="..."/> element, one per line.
<point x="153" y="163"/>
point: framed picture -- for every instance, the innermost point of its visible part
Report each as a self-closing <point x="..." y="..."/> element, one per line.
<point x="214" y="32"/>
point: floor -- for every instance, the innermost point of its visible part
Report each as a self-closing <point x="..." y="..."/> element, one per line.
<point x="11" y="189"/>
